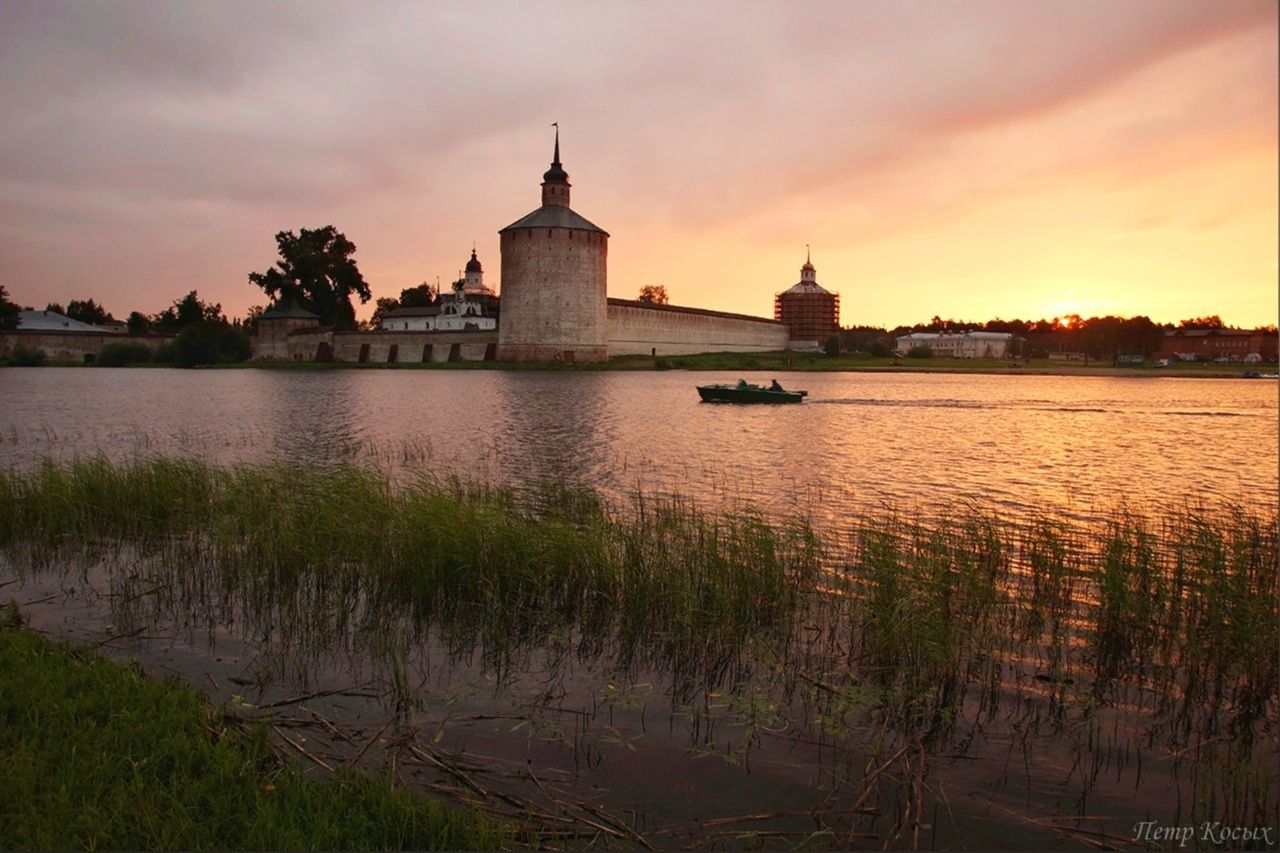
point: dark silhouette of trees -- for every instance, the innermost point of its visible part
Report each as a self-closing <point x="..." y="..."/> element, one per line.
<point x="1099" y="337"/>
<point x="251" y="317"/>
<point x="316" y="270"/>
<point x="204" y="335"/>
<point x="187" y="311"/>
<point x="1213" y="321"/>
<point x="208" y="342"/>
<point x="8" y="311"/>
<point x="55" y="308"/>
<point x="87" y="311"/>
<point x="419" y="296"/>
<point x="138" y="323"/>
<point x="382" y="307"/>
<point x="653" y="293"/>
<point x="865" y="339"/>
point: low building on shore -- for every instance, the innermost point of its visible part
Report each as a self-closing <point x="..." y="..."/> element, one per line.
<point x="65" y="340"/>
<point x="1243" y="345"/>
<point x="958" y="344"/>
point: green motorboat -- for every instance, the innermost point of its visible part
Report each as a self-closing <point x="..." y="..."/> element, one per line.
<point x="744" y="392"/>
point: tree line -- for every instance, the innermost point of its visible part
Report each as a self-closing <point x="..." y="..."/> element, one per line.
<point x="1098" y="337"/>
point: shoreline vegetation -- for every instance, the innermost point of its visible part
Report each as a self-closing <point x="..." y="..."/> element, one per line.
<point x="100" y="755"/>
<point x="1147" y="643"/>
<point x="773" y="362"/>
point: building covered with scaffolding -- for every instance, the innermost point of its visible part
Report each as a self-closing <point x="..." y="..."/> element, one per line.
<point x="810" y="311"/>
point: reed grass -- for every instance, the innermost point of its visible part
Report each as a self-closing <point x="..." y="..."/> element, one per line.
<point x="896" y="637"/>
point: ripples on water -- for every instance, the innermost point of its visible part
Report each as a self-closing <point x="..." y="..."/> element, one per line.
<point x="928" y="441"/>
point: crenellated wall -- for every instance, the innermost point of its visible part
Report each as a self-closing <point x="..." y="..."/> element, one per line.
<point x="645" y="328"/>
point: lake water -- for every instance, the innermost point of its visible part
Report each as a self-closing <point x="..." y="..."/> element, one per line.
<point x="1043" y="755"/>
<point x="929" y="441"/>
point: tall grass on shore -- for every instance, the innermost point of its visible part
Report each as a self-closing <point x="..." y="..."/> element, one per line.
<point x="325" y="547"/>
<point x="99" y="756"/>
<point x="893" y="641"/>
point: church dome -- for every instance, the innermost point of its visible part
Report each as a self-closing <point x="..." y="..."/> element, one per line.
<point x="555" y="175"/>
<point x="473" y="265"/>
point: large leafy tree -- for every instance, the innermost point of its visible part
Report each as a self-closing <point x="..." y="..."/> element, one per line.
<point x="316" y="270"/>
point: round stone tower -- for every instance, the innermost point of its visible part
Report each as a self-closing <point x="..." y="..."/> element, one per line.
<point x="553" y="276"/>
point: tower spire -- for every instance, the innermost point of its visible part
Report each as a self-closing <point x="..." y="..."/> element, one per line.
<point x="555" y="181"/>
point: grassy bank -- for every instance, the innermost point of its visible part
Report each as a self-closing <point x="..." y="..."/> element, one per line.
<point x="97" y="755"/>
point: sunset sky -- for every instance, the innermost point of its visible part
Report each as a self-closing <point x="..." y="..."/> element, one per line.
<point x="967" y="159"/>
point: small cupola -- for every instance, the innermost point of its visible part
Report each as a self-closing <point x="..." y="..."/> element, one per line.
<point x="807" y="272"/>
<point x="555" y="181"/>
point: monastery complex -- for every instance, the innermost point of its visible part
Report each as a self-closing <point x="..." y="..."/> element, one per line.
<point x="553" y="307"/>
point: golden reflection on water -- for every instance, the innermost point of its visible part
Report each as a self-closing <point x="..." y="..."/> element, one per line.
<point x="933" y="443"/>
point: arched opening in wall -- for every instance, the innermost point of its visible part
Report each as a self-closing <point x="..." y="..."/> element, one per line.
<point x="455" y="352"/>
<point x="324" y="352"/>
<point x="393" y="353"/>
<point x="491" y="352"/>
<point x="426" y="353"/>
<point x="90" y="358"/>
<point x="364" y="353"/>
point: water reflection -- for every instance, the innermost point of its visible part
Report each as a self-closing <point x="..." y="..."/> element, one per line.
<point x="554" y="427"/>
<point x="1016" y="443"/>
<point x="310" y="418"/>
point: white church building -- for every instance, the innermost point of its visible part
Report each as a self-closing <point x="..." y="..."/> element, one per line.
<point x="454" y="313"/>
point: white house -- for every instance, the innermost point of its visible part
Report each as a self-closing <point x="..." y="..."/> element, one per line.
<point x="958" y="344"/>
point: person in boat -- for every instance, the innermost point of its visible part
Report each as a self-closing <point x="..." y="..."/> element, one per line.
<point x="775" y="386"/>
<point x="742" y="384"/>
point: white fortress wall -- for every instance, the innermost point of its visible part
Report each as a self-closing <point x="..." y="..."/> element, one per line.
<point x="642" y="328"/>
